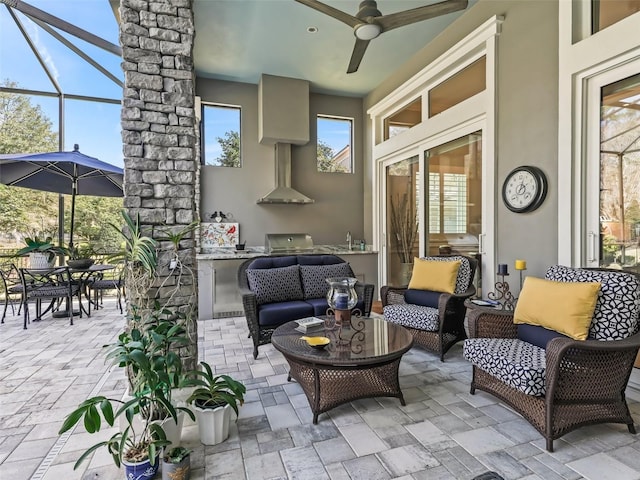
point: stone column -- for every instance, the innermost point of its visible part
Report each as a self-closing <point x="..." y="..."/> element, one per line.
<point x="159" y="133"/>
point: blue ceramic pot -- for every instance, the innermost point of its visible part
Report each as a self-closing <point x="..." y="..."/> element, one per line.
<point x="140" y="471"/>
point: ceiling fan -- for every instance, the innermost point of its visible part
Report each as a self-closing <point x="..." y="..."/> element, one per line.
<point x="369" y="23"/>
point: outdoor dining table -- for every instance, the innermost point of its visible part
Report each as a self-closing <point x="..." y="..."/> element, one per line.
<point x="84" y="276"/>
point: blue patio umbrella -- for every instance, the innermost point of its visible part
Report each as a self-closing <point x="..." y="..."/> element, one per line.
<point x="70" y="173"/>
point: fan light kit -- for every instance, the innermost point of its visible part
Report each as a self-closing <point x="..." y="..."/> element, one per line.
<point x="369" y="22"/>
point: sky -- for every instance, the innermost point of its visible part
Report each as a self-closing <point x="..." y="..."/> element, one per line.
<point x="94" y="126"/>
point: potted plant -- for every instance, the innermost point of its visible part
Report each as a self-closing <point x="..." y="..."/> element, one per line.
<point x="176" y="464"/>
<point x="42" y="253"/>
<point x="149" y="353"/>
<point x="79" y="257"/>
<point x="404" y="231"/>
<point x="138" y="445"/>
<point x="213" y="399"/>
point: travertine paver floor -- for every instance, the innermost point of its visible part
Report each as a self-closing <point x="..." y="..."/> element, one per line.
<point x="442" y="433"/>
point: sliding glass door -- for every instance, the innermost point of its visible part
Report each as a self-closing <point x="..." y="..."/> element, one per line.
<point x="402" y="213"/>
<point x="453" y="198"/>
<point x="618" y="237"/>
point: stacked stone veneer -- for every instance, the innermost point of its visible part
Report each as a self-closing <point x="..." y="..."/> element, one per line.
<point x="160" y="141"/>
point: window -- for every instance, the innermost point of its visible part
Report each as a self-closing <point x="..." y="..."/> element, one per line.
<point x="457" y="88"/>
<point x="447" y="203"/>
<point x="403" y="119"/>
<point x="608" y="12"/>
<point x="221" y="135"/>
<point x="335" y="140"/>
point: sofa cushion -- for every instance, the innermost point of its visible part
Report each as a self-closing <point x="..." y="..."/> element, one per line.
<point x="413" y="316"/>
<point x="538" y="336"/>
<point x="274" y="262"/>
<point x="519" y="364"/>
<point x="434" y="275"/>
<point x="425" y="298"/>
<point x="273" y="314"/>
<point x="566" y="307"/>
<point x="616" y="313"/>
<point x="275" y="284"/>
<point x="314" y="284"/>
<point x="319" y="260"/>
<point x="319" y="306"/>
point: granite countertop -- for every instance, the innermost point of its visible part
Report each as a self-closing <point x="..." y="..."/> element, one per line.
<point x="229" y="253"/>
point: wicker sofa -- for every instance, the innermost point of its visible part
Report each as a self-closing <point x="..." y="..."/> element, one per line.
<point x="278" y="289"/>
<point x="555" y="382"/>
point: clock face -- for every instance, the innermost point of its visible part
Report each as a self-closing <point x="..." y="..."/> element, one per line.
<point x="524" y="189"/>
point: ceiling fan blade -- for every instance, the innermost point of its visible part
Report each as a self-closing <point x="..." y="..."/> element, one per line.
<point x="356" y="57"/>
<point x="407" y="17"/>
<point x="332" y="12"/>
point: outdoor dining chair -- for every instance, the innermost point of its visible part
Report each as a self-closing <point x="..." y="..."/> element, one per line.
<point x="55" y="285"/>
<point x="107" y="280"/>
<point x="11" y="287"/>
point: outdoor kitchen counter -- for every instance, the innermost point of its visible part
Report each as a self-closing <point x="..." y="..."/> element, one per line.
<point x="218" y="295"/>
<point x="229" y="253"/>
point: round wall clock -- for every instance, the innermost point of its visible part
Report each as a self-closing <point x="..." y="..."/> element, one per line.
<point x="524" y="189"/>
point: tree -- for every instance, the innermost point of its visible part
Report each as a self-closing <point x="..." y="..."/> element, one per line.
<point x="24" y="128"/>
<point x="230" y="145"/>
<point x="326" y="159"/>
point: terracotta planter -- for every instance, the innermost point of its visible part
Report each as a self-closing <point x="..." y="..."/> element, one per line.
<point x="213" y="423"/>
<point x="177" y="471"/>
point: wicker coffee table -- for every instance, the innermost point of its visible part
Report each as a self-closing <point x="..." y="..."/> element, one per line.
<point x="360" y="362"/>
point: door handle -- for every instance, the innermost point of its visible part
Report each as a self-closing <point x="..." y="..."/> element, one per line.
<point x="591" y="240"/>
<point x="481" y="243"/>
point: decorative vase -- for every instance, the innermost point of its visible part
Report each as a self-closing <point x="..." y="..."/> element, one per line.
<point x="342" y="297"/>
<point x="80" y="262"/>
<point x="213" y="423"/>
<point x="39" y="260"/>
<point x="177" y="471"/>
<point x="406" y="270"/>
<point x="141" y="470"/>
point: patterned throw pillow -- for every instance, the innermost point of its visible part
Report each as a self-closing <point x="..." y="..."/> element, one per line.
<point x="314" y="278"/>
<point x="617" y="309"/>
<point x="275" y="284"/>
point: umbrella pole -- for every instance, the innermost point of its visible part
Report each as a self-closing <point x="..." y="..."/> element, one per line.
<point x="73" y="211"/>
<point x="60" y="219"/>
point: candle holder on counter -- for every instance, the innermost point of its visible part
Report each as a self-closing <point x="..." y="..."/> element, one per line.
<point x="502" y="294"/>
<point x="521" y="265"/>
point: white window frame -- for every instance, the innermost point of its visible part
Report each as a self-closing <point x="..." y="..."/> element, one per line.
<point x="586" y="62"/>
<point x="351" y="121"/>
<point x="202" y="119"/>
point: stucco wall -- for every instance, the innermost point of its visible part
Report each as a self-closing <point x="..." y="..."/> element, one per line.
<point x="527" y="115"/>
<point x="338" y="206"/>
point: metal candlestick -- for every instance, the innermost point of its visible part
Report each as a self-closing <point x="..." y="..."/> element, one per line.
<point x="503" y="295"/>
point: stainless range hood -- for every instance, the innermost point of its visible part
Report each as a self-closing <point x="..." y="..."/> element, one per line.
<point x="283" y="193"/>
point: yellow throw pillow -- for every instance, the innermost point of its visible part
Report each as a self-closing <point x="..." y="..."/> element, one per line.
<point x="565" y="307"/>
<point x="434" y="275"/>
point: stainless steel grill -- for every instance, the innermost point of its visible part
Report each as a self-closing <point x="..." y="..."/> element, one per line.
<point x="288" y="242"/>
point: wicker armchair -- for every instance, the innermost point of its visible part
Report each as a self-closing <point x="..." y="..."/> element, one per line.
<point x="263" y="317"/>
<point x="570" y="383"/>
<point x="437" y="323"/>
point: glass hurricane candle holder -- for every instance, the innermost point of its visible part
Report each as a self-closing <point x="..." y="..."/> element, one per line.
<point x="341" y="297"/>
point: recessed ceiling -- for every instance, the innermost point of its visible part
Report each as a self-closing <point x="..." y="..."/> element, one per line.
<point x="238" y="40"/>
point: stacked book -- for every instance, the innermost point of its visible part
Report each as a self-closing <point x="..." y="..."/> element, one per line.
<point x="310" y="325"/>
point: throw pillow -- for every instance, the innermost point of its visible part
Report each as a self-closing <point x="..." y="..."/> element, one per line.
<point x="565" y="307"/>
<point x="314" y="278"/>
<point x="433" y="275"/>
<point x="275" y="284"/>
